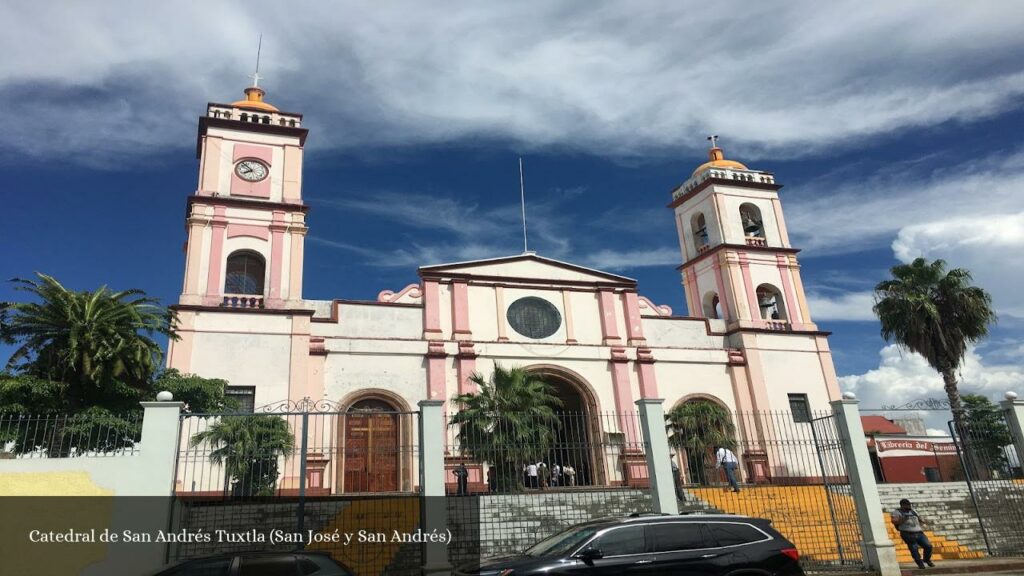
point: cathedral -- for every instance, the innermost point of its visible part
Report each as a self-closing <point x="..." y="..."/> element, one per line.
<point x="748" y="342"/>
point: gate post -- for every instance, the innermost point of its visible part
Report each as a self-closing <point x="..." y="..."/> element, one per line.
<point x="659" y="460"/>
<point x="433" y="504"/>
<point x="879" y="551"/>
<point x="1014" y="411"/>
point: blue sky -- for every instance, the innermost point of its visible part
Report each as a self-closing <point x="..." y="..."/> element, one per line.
<point x="895" y="130"/>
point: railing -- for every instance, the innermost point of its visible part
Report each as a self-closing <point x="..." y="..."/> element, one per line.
<point x="89" y="434"/>
<point x="704" y="248"/>
<point x="778" y="325"/>
<point x="756" y="241"/>
<point x="242" y="301"/>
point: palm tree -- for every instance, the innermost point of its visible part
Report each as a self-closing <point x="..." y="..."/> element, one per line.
<point x="511" y="421"/>
<point x="93" y="341"/>
<point x="936" y="314"/>
<point x="696" y="427"/>
<point x="249" y="447"/>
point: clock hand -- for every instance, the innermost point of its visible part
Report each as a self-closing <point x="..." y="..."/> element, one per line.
<point x="245" y="168"/>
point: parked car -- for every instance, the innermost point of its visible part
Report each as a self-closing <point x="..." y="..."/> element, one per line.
<point x="649" y="544"/>
<point x="260" y="564"/>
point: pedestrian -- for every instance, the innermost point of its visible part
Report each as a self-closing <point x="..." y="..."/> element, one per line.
<point x="462" y="478"/>
<point x="545" y="475"/>
<point x="570" y="475"/>
<point x="911" y="527"/>
<point x="531" y="476"/>
<point x="677" y="480"/>
<point x="556" y="474"/>
<point x="492" y="480"/>
<point x="724" y="458"/>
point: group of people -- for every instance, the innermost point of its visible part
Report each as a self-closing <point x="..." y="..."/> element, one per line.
<point x="535" y="475"/>
<point x="540" y="476"/>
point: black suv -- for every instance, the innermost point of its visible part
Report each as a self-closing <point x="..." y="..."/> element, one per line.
<point x="697" y="545"/>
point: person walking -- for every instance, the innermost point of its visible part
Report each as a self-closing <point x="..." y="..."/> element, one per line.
<point x="492" y="480"/>
<point x="570" y="475"/>
<point x="911" y="527"/>
<point x="677" y="480"/>
<point x="545" y="475"/>
<point x="556" y="474"/>
<point x="531" y="475"/>
<point x="462" y="478"/>
<point x="724" y="458"/>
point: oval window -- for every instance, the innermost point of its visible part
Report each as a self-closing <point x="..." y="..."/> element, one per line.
<point x="534" y="317"/>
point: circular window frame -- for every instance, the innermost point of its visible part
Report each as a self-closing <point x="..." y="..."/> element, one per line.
<point x="266" y="169"/>
<point x="554" y="318"/>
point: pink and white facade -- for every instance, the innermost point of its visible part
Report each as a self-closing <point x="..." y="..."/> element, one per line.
<point x="748" y="343"/>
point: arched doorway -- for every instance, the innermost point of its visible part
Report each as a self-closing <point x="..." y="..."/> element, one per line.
<point x="370" y="439"/>
<point x="699" y="424"/>
<point x="574" y="444"/>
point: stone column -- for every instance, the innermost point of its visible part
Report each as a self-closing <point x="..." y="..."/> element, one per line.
<point x="434" y="506"/>
<point x="659" y="460"/>
<point x="1014" y="411"/>
<point x="879" y="551"/>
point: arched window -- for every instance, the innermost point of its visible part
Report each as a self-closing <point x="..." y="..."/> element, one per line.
<point x="266" y="119"/>
<point x="245" y="273"/>
<point x="773" y="307"/>
<point x="227" y="115"/>
<point x="712" y="306"/>
<point x="699" y="226"/>
<point x="291" y="123"/>
<point x="753" y="225"/>
<point x="245" y="117"/>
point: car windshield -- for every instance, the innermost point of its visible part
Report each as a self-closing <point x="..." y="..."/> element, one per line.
<point x="563" y="542"/>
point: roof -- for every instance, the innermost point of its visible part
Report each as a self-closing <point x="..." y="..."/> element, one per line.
<point x="880" y="425"/>
<point x="527" y="266"/>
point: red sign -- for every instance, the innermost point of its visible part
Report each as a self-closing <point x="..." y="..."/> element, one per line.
<point x="916" y="446"/>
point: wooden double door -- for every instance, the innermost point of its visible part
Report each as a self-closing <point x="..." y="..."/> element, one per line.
<point x="372" y="454"/>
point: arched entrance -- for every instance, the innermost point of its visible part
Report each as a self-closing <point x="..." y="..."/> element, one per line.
<point x="699" y="423"/>
<point x="370" y="439"/>
<point x="574" y="443"/>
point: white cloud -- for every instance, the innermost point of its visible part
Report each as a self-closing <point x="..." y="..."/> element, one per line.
<point x="903" y="376"/>
<point x="991" y="247"/>
<point x="94" y="81"/>
<point x="861" y="211"/>
<point x="842" y="306"/>
<point x="628" y="259"/>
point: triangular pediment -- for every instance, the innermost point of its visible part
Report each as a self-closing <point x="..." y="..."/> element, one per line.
<point x="526" y="268"/>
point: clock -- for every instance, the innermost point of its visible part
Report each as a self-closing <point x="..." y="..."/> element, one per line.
<point x="251" y="170"/>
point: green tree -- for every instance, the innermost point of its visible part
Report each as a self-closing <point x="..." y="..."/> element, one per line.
<point x="248" y="447"/>
<point x="988" y="435"/>
<point x="511" y="421"/>
<point x="936" y="313"/>
<point x="698" y="426"/>
<point x="98" y="343"/>
<point x="200" y="395"/>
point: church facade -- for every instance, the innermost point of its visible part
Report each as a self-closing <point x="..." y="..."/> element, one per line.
<point x="748" y="342"/>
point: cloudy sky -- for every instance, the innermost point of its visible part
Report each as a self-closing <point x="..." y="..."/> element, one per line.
<point x="894" y="127"/>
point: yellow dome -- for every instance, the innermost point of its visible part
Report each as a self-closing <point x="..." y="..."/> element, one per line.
<point x="717" y="160"/>
<point x="254" y="99"/>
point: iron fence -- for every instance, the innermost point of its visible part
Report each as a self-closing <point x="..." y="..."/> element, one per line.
<point x="87" y="434"/>
<point x="515" y="478"/>
<point x="789" y="468"/>
<point x="987" y="455"/>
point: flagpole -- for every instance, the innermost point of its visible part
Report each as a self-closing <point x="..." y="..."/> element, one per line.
<point x="522" y="200"/>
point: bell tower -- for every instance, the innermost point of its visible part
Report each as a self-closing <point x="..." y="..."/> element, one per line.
<point x="738" y="264"/>
<point x="246" y="220"/>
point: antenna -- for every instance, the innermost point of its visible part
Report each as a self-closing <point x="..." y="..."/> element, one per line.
<point x="522" y="199"/>
<point x="256" y="76"/>
<point x="714" y="140"/>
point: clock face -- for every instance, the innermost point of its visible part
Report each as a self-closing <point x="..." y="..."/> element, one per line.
<point x="251" y="170"/>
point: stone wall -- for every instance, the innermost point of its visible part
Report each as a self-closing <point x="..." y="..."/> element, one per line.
<point x="949" y="511"/>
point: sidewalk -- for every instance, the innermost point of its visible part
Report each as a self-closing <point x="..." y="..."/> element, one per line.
<point x="1001" y="565"/>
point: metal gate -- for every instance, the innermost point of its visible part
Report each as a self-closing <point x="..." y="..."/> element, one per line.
<point x="792" y="471"/>
<point x="283" y="477"/>
<point x="985" y="449"/>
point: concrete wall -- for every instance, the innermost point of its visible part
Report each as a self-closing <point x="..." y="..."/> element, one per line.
<point x="949" y="511"/>
<point x="147" y="472"/>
